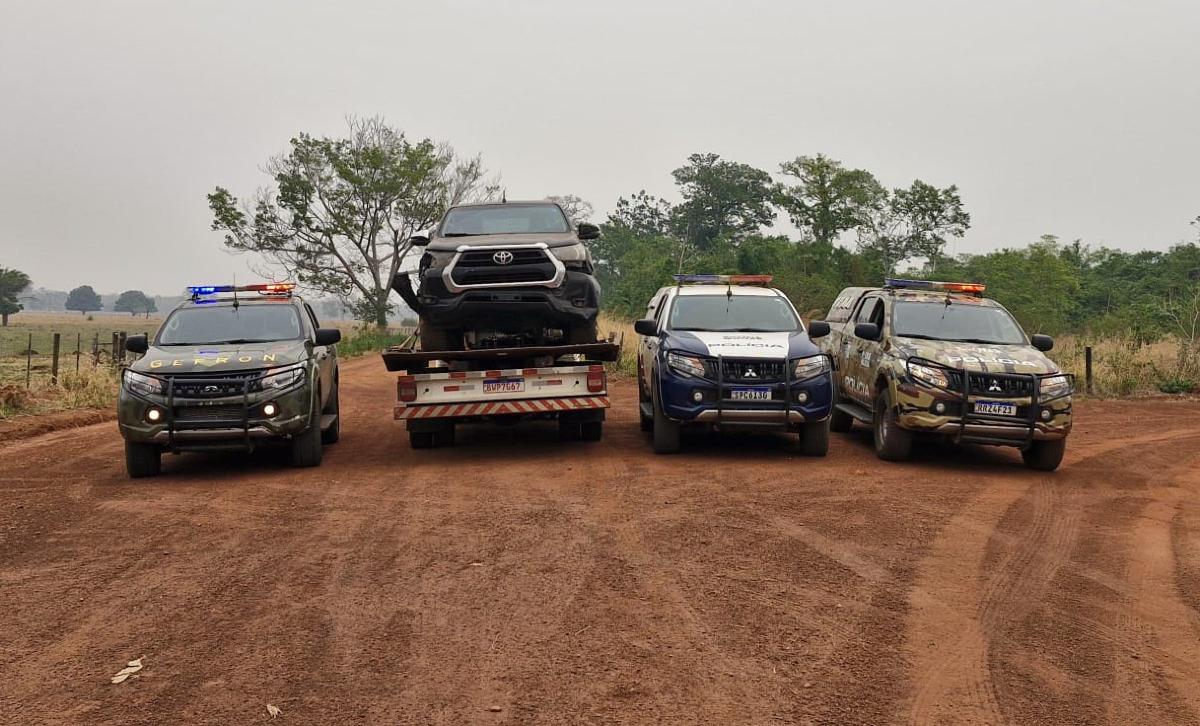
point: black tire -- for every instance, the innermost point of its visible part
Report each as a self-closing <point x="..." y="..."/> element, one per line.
<point x="444" y="437"/>
<point x="1045" y="455"/>
<point x="569" y="430"/>
<point x="645" y="423"/>
<point x="332" y="434"/>
<point x="142" y="460"/>
<point x="840" y="421"/>
<point x="892" y="443"/>
<point x="666" y="431"/>
<point x="306" y="446"/>
<point x="582" y="334"/>
<point x="814" y="438"/>
<point x="439" y="338"/>
<point x="591" y="430"/>
<point x="420" y="439"/>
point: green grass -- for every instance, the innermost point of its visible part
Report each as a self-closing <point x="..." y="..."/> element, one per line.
<point x="369" y="340"/>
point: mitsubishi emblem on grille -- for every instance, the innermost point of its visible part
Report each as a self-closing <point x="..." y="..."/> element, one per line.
<point x="749" y="373"/>
<point x="994" y="386"/>
<point x="211" y="389"/>
<point x="503" y="257"/>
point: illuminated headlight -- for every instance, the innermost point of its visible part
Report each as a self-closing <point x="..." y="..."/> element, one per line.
<point x="143" y="384"/>
<point x="685" y="364"/>
<point x="928" y="375"/>
<point x="1054" y="387"/>
<point x="809" y="367"/>
<point x="280" y="381"/>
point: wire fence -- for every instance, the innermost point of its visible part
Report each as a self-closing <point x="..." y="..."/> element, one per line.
<point x="37" y="357"/>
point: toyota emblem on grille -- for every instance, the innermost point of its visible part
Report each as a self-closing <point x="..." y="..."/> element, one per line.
<point x="994" y="386"/>
<point x="503" y="257"/>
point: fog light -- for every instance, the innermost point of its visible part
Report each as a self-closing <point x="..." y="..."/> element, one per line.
<point x="1046" y="414"/>
<point x="154" y="415"/>
<point x="802" y="397"/>
<point x="697" y="396"/>
<point x="939" y="407"/>
<point x="270" y="409"/>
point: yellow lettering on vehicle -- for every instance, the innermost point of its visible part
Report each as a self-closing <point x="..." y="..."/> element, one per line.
<point x="268" y="357"/>
<point x="157" y="363"/>
<point x="244" y="359"/>
<point x="222" y="359"/>
<point x="176" y="363"/>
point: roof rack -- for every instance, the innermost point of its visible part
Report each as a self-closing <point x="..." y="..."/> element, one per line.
<point x="723" y="279"/>
<point x="968" y="288"/>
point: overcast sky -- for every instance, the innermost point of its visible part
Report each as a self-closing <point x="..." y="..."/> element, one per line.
<point x="1080" y="119"/>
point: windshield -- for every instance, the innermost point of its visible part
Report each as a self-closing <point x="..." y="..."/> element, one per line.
<point x="227" y="324"/>
<point x="956" y="322"/>
<point x="721" y="313"/>
<point x="504" y="219"/>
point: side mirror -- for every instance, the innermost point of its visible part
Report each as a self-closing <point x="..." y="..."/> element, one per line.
<point x="1043" y="343"/>
<point x="867" y="331"/>
<point x="818" y="329"/>
<point x="649" y="326"/>
<point x="587" y="230"/>
<point x="419" y="240"/>
<point x="328" y="336"/>
<point x="137" y="344"/>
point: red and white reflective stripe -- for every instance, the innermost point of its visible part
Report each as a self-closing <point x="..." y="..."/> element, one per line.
<point x="506" y="373"/>
<point x="497" y="408"/>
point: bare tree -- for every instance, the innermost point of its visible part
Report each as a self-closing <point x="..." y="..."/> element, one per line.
<point x="577" y="210"/>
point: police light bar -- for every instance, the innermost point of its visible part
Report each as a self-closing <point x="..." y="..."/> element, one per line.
<point x="971" y="288"/>
<point x="723" y="279"/>
<point x="268" y="288"/>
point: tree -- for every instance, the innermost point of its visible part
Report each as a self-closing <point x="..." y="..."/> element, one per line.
<point x="343" y="209"/>
<point x="721" y="200"/>
<point x="84" y="299"/>
<point x="643" y="214"/>
<point x="915" y="222"/>
<point x="830" y="199"/>
<point x="134" y="302"/>
<point x="12" y="283"/>
<point x="576" y="209"/>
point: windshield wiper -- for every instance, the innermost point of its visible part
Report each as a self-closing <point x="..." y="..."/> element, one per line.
<point x="234" y="341"/>
<point x="463" y="234"/>
<point x="980" y="341"/>
<point x="919" y="336"/>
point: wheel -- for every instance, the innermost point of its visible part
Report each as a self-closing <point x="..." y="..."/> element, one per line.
<point x="306" y="446"/>
<point x="840" y="421"/>
<point x="666" y="431"/>
<point x="334" y="432"/>
<point x="444" y="437"/>
<point x="439" y="338"/>
<point x="420" y="439"/>
<point x="645" y="423"/>
<point x="814" y="438"/>
<point x="892" y="443"/>
<point x="142" y="460"/>
<point x="1045" y="455"/>
<point x="591" y="430"/>
<point x="569" y="430"/>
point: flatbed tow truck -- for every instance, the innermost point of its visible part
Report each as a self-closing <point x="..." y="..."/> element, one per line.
<point x="438" y="390"/>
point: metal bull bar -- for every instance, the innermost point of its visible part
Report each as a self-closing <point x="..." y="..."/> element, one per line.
<point x="243" y="382"/>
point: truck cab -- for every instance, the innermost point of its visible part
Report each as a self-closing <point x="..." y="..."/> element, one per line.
<point x="729" y="352"/>
<point x="937" y="359"/>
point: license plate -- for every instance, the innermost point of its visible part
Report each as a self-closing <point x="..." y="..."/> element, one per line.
<point x="751" y="394"/>
<point x="503" y="385"/>
<point x="996" y="408"/>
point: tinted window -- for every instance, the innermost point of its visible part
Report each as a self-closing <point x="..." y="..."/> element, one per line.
<point x="504" y="219"/>
<point x="871" y="311"/>
<point x="757" y="313"/>
<point x="956" y="322"/>
<point x="227" y="324"/>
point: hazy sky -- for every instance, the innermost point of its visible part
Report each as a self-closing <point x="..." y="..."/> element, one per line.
<point x="1080" y="119"/>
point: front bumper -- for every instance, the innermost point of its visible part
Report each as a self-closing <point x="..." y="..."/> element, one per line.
<point x="718" y="408"/>
<point x="233" y="422"/>
<point x="952" y="414"/>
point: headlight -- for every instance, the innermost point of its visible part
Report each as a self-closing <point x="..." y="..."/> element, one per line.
<point x="282" y="380"/>
<point x="143" y="384"/>
<point x="685" y="364"/>
<point x="1054" y="387"/>
<point x="809" y="367"/>
<point x="929" y="375"/>
<point x="571" y="254"/>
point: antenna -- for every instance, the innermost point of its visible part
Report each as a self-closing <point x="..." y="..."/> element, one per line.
<point x="504" y="196"/>
<point x="236" y="305"/>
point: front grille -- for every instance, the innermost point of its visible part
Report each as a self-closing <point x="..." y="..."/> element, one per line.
<point x="229" y="384"/>
<point x="498" y="276"/>
<point x="1001" y="385"/>
<point x="487" y="258"/>
<point x="753" y="371"/>
<point x="208" y="414"/>
<point x="479" y="267"/>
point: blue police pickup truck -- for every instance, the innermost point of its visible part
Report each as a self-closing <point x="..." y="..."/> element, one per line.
<point x="729" y="352"/>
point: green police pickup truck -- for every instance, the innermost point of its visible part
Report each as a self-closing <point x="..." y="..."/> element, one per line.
<point x="231" y="369"/>
<point x="937" y="359"/>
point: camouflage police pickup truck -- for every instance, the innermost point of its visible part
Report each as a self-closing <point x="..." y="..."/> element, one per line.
<point x="933" y="358"/>
<point x="231" y="373"/>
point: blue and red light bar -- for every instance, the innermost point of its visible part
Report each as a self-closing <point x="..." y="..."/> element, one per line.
<point x="969" y="288"/>
<point x="723" y="279"/>
<point x="266" y="288"/>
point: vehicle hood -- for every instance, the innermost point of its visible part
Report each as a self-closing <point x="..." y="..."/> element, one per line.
<point x="555" y="239"/>
<point x="977" y="357"/>
<point x="793" y="344"/>
<point x="220" y="358"/>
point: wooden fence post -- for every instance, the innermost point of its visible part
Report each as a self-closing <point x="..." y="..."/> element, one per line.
<point x="115" y="343"/>
<point x="1087" y="368"/>
<point x="121" y="346"/>
<point x="54" y="360"/>
<point x="78" y="350"/>
<point x="28" y="360"/>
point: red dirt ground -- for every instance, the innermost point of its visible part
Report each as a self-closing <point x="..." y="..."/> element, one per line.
<point x="516" y="580"/>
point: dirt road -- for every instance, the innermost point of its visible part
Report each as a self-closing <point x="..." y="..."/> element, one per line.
<point x="512" y="580"/>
